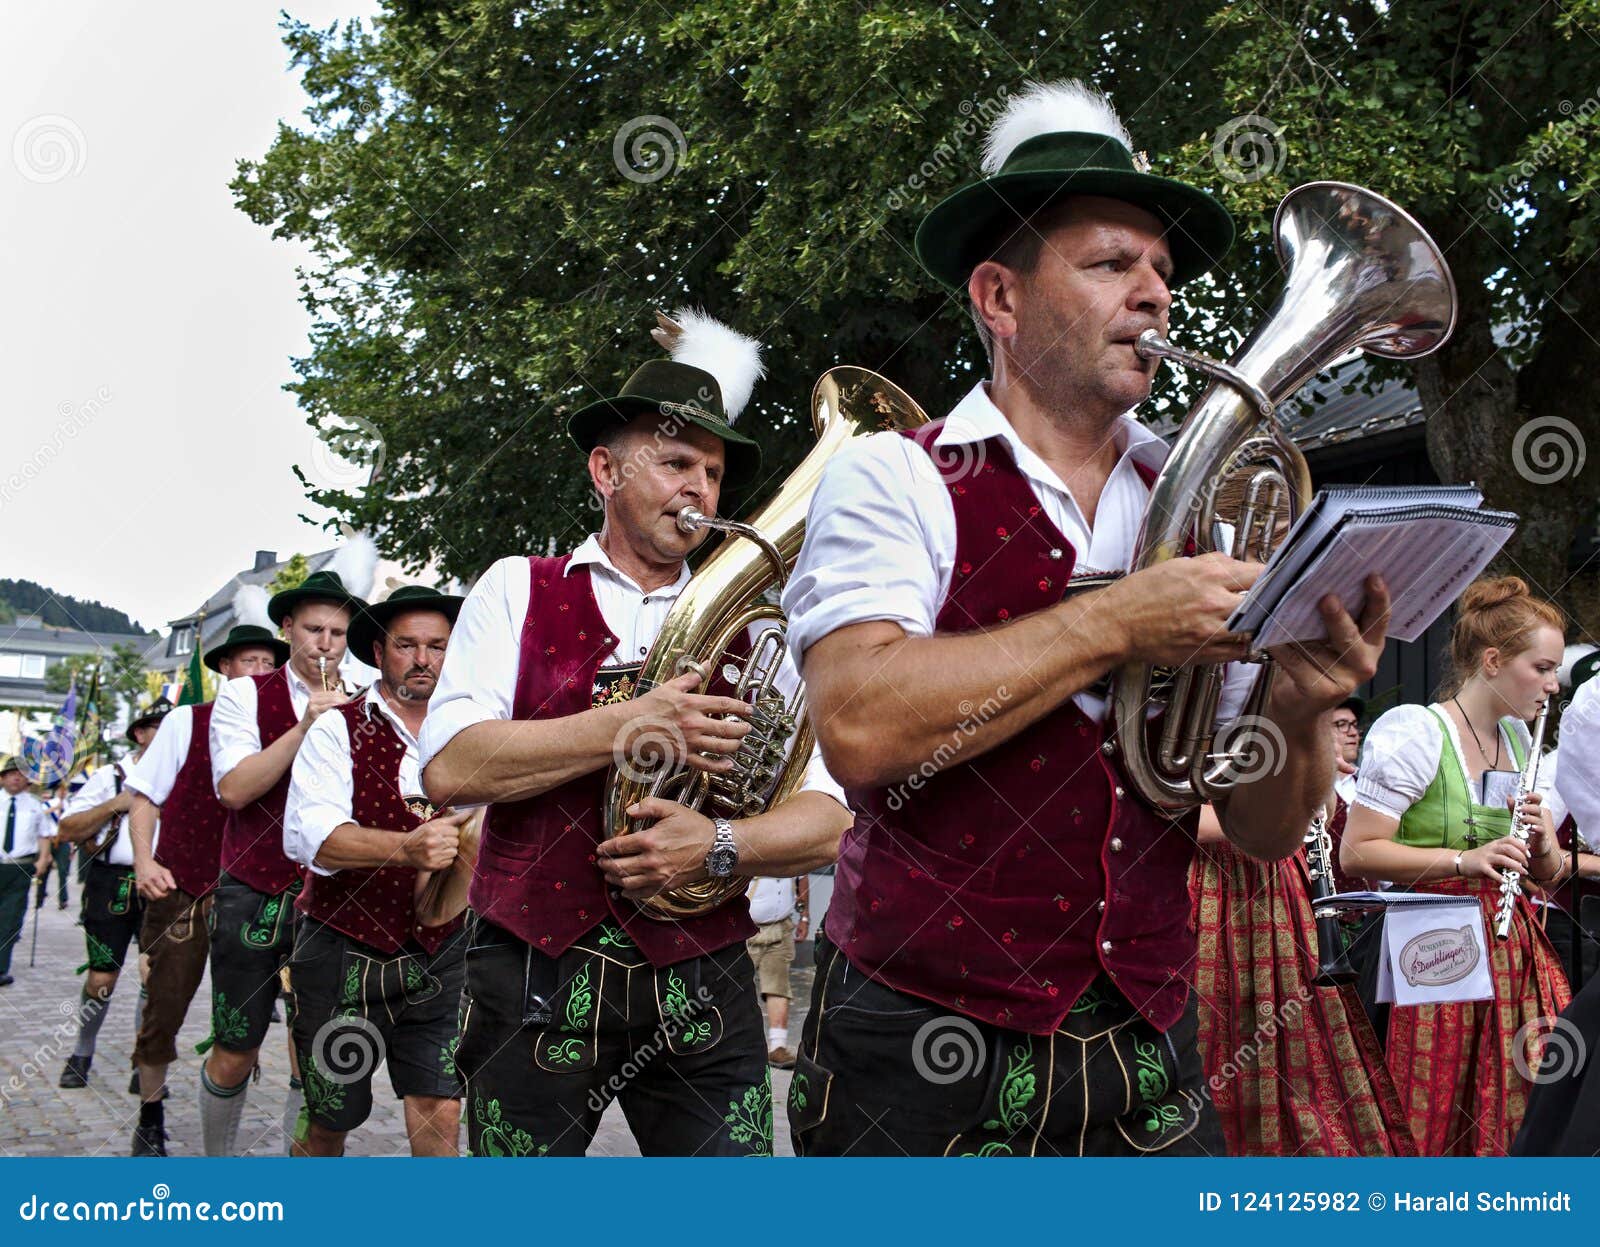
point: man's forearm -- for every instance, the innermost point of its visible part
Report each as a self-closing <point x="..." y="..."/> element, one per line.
<point x="81" y="826"/>
<point x="794" y="838"/>
<point x="502" y="760"/>
<point x="352" y="847"/>
<point x="142" y="829"/>
<point x="254" y="776"/>
<point x="884" y="708"/>
<point x="1268" y="817"/>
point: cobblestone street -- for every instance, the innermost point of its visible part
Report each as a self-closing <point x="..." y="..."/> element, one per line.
<point x="37" y="1031"/>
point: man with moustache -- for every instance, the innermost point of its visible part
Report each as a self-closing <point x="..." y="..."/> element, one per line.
<point x="370" y="980"/>
<point x="177" y="874"/>
<point x="568" y="980"/>
<point x="257" y="728"/>
<point x="1023" y="902"/>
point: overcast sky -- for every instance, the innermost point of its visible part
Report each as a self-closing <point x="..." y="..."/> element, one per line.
<point x="147" y="323"/>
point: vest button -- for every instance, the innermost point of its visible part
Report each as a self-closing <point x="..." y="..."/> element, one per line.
<point x="1108" y="748"/>
<point x="1105" y="946"/>
<point x="1057" y="553"/>
<point x="1101" y="906"/>
<point x="1116" y="845"/>
<point x="1117" y="792"/>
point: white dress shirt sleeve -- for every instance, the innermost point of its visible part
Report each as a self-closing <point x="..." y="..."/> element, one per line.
<point x="235" y="735"/>
<point x="101" y="786"/>
<point x="872" y="533"/>
<point x="321" y="796"/>
<point x="1399" y="759"/>
<point x="1578" y="777"/>
<point x="479" y="678"/>
<point x="155" y="772"/>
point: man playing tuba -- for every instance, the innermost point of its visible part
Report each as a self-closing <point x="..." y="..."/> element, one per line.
<point x="574" y="996"/>
<point x="1005" y="963"/>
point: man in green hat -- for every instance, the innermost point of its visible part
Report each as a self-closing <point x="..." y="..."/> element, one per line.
<point x="96" y="817"/>
<point x="259" y="724"/>
<point x="177" y="874"/>
<point x="369" y="975"/>
<point x="24" y="855"/>
<point x="1014" y="898"/>
<point x="568" y="979"/>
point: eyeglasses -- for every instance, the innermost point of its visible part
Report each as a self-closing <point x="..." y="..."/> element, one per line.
<point x="1348" y="725"/>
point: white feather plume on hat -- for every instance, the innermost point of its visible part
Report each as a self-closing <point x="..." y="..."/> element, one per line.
<point x="691" y="337"/>
<point x="250" y="607"/>
<point x="356" y="564"/>
<point x="1050" y="108"/>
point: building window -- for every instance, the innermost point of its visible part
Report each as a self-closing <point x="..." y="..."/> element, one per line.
<point x="22" y="666"/>
<point x="183" y="640"/>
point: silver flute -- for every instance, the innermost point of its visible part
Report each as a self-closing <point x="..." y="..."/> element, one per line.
<point x="1511" y="880"/>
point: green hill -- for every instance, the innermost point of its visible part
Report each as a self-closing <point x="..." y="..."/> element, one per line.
<point x="60" y="610"/>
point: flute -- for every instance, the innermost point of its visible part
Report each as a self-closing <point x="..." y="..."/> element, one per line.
<point x="1511" y="880"/>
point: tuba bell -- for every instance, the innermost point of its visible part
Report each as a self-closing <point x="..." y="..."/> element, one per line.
<point x="723" y="602"/>
<point x="1363" y="275"/>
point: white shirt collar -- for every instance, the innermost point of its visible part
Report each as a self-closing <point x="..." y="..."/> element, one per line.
<point x="975" y="419"/>
<point x="592" y="554"/>
<point x="374" y="698"/>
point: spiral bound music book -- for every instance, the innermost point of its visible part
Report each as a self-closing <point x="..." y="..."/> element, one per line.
<point x="1428" y="544"/>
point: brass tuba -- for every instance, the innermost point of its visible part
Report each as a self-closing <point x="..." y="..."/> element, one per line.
<point x="724" y="600"/>
<point x="1362" y="275"/>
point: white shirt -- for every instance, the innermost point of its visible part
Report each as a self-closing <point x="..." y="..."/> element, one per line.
<point x="771" y="900"/>
<point x="1344" y="787"/>
<point x="1401" y="757"/>
<point x="479" y="679"/>
<point x="1578" y="779"/>
<point x="32" y="825"/>
<point x="102" y="786"/>
<point x="235" y="735"/>
<point x="881" y="532"/>
<point x="156" y="772"/>
<point x="321" y="787"/>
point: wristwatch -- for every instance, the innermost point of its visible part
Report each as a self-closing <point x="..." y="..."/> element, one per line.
<point x="723" y="857"/>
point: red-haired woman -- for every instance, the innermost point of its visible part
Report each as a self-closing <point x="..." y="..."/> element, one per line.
<point x="1420" y="821"/>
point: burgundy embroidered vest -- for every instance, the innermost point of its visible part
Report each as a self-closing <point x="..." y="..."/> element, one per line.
<point x="536" y="873"/>
<point x="1000" y="887"/>
<point x="189" y="842"/>
<point x="252" y="841"/>
<point x="376" y="906"/>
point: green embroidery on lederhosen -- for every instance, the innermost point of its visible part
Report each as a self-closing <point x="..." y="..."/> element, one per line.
<point x="682" y="1021"/>
<point x="447" y="1056"/>
<point x="1016" y="1090"/>
<point x="350" y="1000"/>
<point x="261" y="931"/>
<point x="1091" y="1000"/>
<point x="613" y="936"/>
<point x="1153" y="1080"/>
<point x="323" y="1095"/>
<point x="498" y="1137"/>
<point x="123" y="900"/>
<point x="749" y="1118"/>
<point x="418" y="984"/>
<point x="101" y="958"/>
<point x="797" y="1092"/>
<point x="572" y="1045"/>
<point x="228" y="1025"/>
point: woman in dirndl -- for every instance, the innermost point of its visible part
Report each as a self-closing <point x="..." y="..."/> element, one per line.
<point x="1420" y="820"/>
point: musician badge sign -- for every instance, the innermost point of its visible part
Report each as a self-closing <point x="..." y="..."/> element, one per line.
<point x="1433" y="954"/>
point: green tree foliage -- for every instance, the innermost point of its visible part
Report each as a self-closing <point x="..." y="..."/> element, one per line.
<point x="291" y="575"/>
<point x="496" y="199"/>
<point x="60" y="610"/>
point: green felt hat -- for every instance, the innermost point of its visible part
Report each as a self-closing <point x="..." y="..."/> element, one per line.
<point x="370" y="625"/>
<point x="323" y="586"/>
<point x="707" y="383"/>
<point x="10" y="763"/>
<point x="1054" y="140"/>
<point x="151" y="715"/>
<point x="242" y="636"/>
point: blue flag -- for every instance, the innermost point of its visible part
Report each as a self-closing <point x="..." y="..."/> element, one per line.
<point x="48" y="760"/>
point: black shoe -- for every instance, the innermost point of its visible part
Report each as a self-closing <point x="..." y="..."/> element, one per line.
<point x="133" y="1083"/>
<point x="76" y="1072"/>
<point x="63" y="905"/>
<point x="6" y="980"/>
<point x="149" y="1140"/>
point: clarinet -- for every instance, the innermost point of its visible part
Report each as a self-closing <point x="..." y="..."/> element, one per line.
<point x="1511" y="880"/>
<point x="1333" y="966"/>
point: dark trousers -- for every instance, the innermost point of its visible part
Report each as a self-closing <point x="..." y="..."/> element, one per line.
<point x="547" y="1043"/>
<point x="15" y="874"/>
<point x="881" y="1073"/>
<point x="61" y="864"/>
<point x="252" y="937"/>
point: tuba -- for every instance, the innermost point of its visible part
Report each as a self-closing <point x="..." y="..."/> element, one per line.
<point x="727" y="598"/>
<point x="1361" y="275"/>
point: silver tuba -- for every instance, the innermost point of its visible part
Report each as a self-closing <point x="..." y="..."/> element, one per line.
<point x="1362" y="275"/>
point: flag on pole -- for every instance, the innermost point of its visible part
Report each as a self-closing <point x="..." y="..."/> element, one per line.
<point x="48" y="759"/>
<point x="194" y="681"/>
<point x="89" y="725"/>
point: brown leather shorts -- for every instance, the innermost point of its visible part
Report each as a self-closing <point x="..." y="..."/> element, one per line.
<point x="176" y="943"/>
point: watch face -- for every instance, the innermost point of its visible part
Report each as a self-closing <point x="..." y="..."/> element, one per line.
<point x="720" y="861"/>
